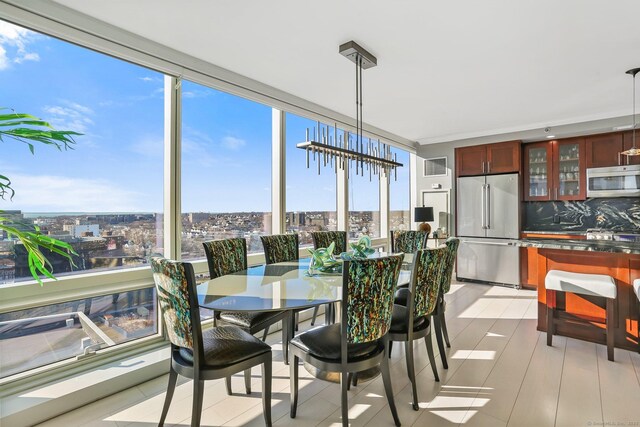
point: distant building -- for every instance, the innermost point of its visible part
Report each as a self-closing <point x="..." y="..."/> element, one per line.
<point x="82" y="230"/>
<point x="15" y="219"/>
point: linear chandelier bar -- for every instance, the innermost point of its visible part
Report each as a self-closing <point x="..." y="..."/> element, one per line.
<point x="375" y="157"/>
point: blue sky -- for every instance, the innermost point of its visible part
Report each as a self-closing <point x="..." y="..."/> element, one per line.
<point x="117" y="164"/>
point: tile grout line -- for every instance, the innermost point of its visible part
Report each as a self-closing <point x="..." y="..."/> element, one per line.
<point x="525" y="372"/>
<point x="501" y="353"/>
<point x="564" y="358"/>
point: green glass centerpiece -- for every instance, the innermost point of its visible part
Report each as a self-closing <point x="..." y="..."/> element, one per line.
<point x="323" y="261"/>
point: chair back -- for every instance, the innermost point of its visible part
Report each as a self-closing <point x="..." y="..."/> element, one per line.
<point x="368" y="289"/>
<point x="452" y="250"/>
<point x="408" y="241"/>
<point x="280" y="248"/>
<point x="322" y="239"/>
<point x="226" y="256"/>
<point x="426" y="277"/>
<point x="175" y="283"/>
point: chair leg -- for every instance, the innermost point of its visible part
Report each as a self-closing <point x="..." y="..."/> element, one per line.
<point x="344" y="403"/>
<point x="265" y="333"/>
<point x="286" y="337"/>
<point x="443" y="326"/>
<point x="173" y="377"/>
<point x="411" y="372"/>
<point x="388" y="389"/>
<point x="266" y="392"/>
<point x="550" y="305"/>
<point x="293" y="380"/>
<point x="247" y="380"/>
<point x="315" y="314"/>
<point x="390" y="347"/>
<point x="349" y="381"/>
<point x="297" y="321"/>
<point x="432" y="360"/>
<point x="196" y="411"/>
<point x="227" y="381"/>
<point x="355" y="379"/>
<point x="436" y="330"/>
<point x="610" y="321"/>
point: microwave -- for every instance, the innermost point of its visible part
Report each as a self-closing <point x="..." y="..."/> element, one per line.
<point x="616" y="181"/>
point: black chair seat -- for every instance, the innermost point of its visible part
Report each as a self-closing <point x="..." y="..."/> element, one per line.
<point x="402" y="296"/>
<point x="400" y="322"/>
<point x="227" y="345"/>
<point x="255" y="320"/>
<point x="324" y="343"/>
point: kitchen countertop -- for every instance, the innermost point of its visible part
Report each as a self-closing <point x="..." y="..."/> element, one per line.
<point x="582" y="245"/>
<point x="564" y="233"/>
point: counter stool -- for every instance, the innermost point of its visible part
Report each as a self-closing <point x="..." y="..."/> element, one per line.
<point x="598" y="285"/>
<point x="636" y="289"/>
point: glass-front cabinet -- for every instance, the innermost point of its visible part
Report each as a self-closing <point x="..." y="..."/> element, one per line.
<point x="569" y="170"/>
<point x="537" y="171"/>
<point x="555" y="170"/>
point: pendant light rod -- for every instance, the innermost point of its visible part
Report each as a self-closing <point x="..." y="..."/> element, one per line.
<point x="633" y="151"/>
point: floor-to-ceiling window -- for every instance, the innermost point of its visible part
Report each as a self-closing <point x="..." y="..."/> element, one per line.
<point x="399" y="191"/>
<point x="364" y="200"/>
<point x="310" y="190"/>
<point x="226" y="169"/>
<point x="103" y="195"/>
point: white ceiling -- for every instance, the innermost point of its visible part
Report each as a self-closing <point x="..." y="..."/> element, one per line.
<point x="446" y="70"/>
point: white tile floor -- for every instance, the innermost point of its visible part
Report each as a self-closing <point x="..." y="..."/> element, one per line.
<point x="501" y="373"/>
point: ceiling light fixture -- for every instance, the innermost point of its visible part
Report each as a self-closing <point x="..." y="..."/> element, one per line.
<point x="550" y="136"/>
<point x="633" y="151"/>
<point x="375" y="156"/>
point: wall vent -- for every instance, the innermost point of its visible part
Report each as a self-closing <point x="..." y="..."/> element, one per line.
<point x="436" y="166"/>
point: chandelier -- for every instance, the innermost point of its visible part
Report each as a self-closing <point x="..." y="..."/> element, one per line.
<point x="633" y="151"/>
<point x="335" y="151"/>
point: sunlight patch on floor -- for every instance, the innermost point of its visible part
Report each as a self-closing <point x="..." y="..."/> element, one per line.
<point x="474" y="354"/>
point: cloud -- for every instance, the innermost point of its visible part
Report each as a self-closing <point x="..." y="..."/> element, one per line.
<point x="189" y="94"/>
<point x="148" y="79"/>
<point x="16" y="39"/>
<point x="69" y="116"/>
<point x="233" y="143"/>
<point x="149" y="147"/>
<point x="60" y="193"/>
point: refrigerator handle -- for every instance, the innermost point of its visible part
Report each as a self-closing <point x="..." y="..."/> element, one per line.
<point x="484" y="205"/>
<point x="488" y="206"/>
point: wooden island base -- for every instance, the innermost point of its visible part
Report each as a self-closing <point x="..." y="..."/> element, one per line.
<point x="582" y="316"/>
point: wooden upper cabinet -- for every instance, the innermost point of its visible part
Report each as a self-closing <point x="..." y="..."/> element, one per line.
<point x="503" y="157"/>
<point x="471" y="160"/>
<point x="627" y="139"/>
<point x="569" y="171"/>
<point x="604" y="150"/>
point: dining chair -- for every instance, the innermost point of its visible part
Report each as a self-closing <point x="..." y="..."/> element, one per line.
<point x="280" y="248"/>
<point x="322" y="239"/>
<point x="359" y="341"/>
<point x="230" y="256"/>
<point x="412" y="321"/>
<point x="199" y="354"/>
<point x="440" y="324"/>
<point x="408" y="241"/>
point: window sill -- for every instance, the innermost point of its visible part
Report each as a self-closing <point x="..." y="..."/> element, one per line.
<point x="57" y="397"/>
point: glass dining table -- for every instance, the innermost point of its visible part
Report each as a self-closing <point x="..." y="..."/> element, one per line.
<point x="275" y="287"/>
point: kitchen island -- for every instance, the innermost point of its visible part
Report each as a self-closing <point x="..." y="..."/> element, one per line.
<point x="578" y="314"/>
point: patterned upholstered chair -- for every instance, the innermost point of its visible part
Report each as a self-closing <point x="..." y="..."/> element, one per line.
<point x="359" y="341"/>
<point x="280" y="248"/>
<point x="214" y="353"/>
<point x="439" y="323"/>
<point x="322" y="239"/>
<point x="408" y="241"/>
<point x="228" y="257"/>
<point x="412" y="322"/>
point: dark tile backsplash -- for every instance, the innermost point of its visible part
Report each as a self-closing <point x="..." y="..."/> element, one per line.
<point x="618" y="214"/>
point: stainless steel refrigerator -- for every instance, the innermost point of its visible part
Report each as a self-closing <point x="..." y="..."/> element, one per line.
<point x="488" y="228"/>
